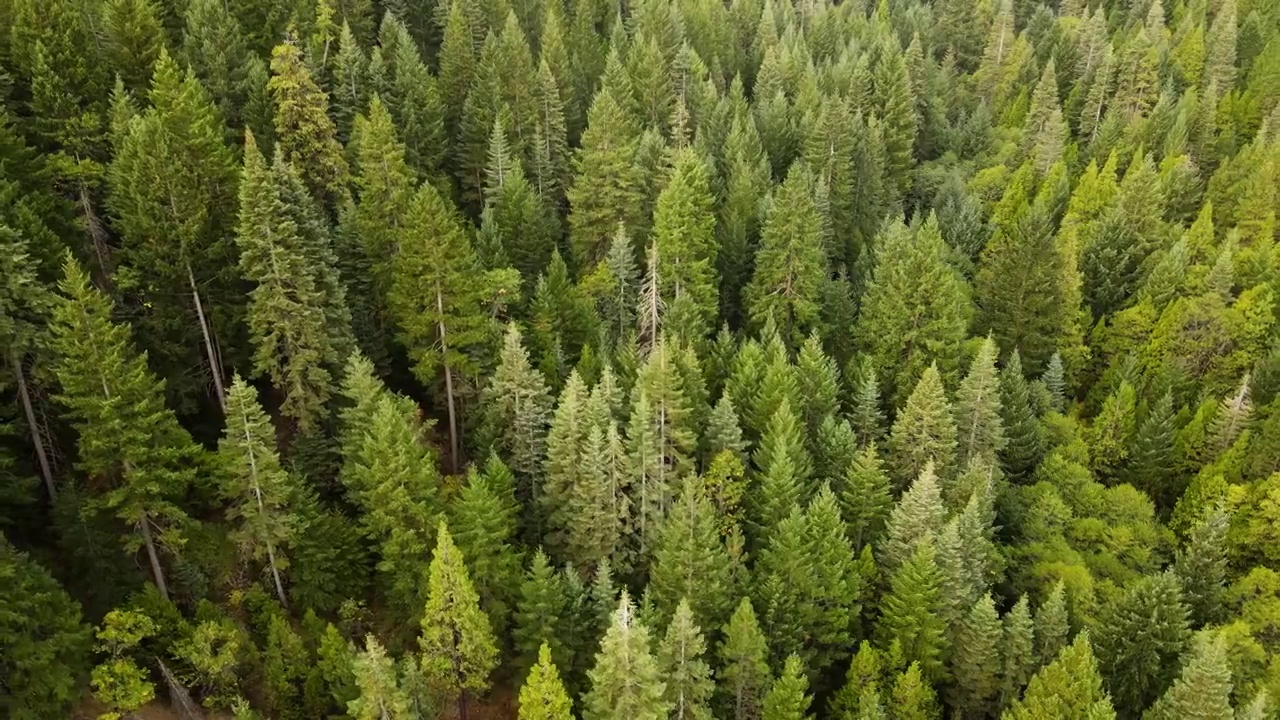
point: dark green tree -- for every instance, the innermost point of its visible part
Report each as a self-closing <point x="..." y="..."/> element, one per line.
<point x="1140" y="636"/>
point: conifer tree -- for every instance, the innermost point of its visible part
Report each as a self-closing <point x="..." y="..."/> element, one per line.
<point x="785" y="579"/>
<point x="1152" y="460"/>
<point x="133" y="39"/>
<point x="975" y="660"/>
<point x="788" y="699"/>
<point x="1017" y="652"/>
<point x="837" y="592"/>
<point x="784" y="469"/>
<point x="817" y="385"/>
<point x="891" y="94"/>
<point x="915" y="310"/>
<point x="684" y="237"/>
<point x="724" y="432"/>
<point x="458" y="647"/>
<point x="861" y="685"/>
<point x="834" y="449"/>
<point x="566" y="443"/>
<point x="744" y="676"/>
<point x="978" y="423"/>
<point x="1139" y="637"/>
<point x="924" y="433"/>
<point x="1045" y="133"/>
<point x="626" y="680"/>
<point x="865" y="500"/>
<point x="1201" y="566"/>
<point x="687" y="675"/>
<point x="1052" y="630"/>
<point x="304" y="131"/>
<point x="919" y="515"/>
<point x="867" y="416"/>
<point x="414" y="101"/>
<point x="178" y="260"/>
<point x="350" y="87"/>
<point x="127" y="437"/>
<point x="911" y="614"/>
<point x="517" y="411"/>
<point x="484" y="527"/>
<point x="436" y="300"/>
<point x="1070" y="686"/>
<point x="542" y="697"/>
<point x="258" y="490"/>
<point x="1022" y="450"/>
<point x="542" y="611"/>
<point x="1203" y="688"/>
<point x="690" y="562"/>
<point x="791" y="264"/>
<point x="380" y="696"/>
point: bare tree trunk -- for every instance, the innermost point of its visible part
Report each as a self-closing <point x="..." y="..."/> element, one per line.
<point x="153" y="556"/>
<point x="462" y="706"/>
<point x="454" y="459"/>
<point x="215" y="367"/>
<point x="257" y="495"/>
<point x="37" y="437"/>
<point x="97" y="235"/>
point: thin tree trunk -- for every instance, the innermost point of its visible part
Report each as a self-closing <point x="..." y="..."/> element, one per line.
<point x="153" y="556"/>
<point x="215" y="367"/>
<point x="257" y="495"/>
<point x="97" y="235"/>
<point x="454" y="460"/>
<point x="37" y="437"/>
<point x="462" y="706"/>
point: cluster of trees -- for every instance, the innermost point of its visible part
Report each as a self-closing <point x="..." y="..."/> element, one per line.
<point x="662" y="359"/>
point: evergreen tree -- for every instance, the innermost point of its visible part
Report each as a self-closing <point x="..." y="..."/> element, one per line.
<point x="690" y="563"/>
<point x="837" y="590"/>
<point x="1022" y="428"/>
<point x="913" y="697"/>
<point x="127" y="437"/>
<point x="626" y="680"/>
<point x="975" y="661"/>
<point x="744" y="676"/>
<point x="1201" y="567"/>
<point x="911" y="614"/>
<point x="919" y="515"/>
<point x="915" y="310"/>
<point x="484" y="526"/>
<point x="258" y="491"/>
<point x="1052" y="624"/>
<point x="1070" y="686"/>
<point x="542" y="697"/>
<point x="517" y="410"/>
<point x="1203" y="688"/>
<point x="304" y="131"/>
<point x="380" y="696"/>
<point x="978" y="423"/>
<point x="1017" y="652"/>
<point x="1152" y="464"/>
<point x="133" y="39"/>
<point x="791" y="263"/>
<point x="458" y="648"/>
<point x="542" y="610"/>
<point x="784" y="469"/>
<point x="868" y="417"/>
<point x="924" y="433"/>
<point x="788" y="699"/>
<point x="865" y="499"/>
<point x="1139" y="638"/>
<point x="436" y="299"/>
<point x="687" y="675"/>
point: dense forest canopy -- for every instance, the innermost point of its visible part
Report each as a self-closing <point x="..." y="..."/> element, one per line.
<point x="643" y="359"/>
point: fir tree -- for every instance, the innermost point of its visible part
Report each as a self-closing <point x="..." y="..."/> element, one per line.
<point x="911" y="614"/>
<point x="1017" y="652"/>
<point x="1201" y="566"/>
<point x="304" y="131"/>
<point x="458" y="648"/>
<point x="1139" y="638"/>
<point x="837" y="588"/>
<point x="484" y="527"/>
<point x="542" y="697"/>
<point x="127" y="437"/>
<point x="1203" y="688"/>
<point x="868" y="417"/>
<point x="1051" y="624"/>
<point x="258" y="490"/>
<point x="788" y="698"/>
<point x="1070" y="686"/>
<point x="626" y="680"/>
<point x="978" y="423"/>
<point x="913" y="697"/>
<point x="542" y="610"/>
<point x="744" y="668"/>
<point x="133" y="39"/>
<point x="684" y="237"/>
<point x="690" y="563"/>
<point x="784" y="469"/>
<point x="687" y="675"/>
<point x="517" y="410"/>
<point x="975" y="660"/>
<point x="924" y="433"/>
<point x="380" y="697"/>
<point x="919" y="515"/>
<point x="1152" y="461"/>
<point x="1022" y="428"/>
<point x="865" y="499"/>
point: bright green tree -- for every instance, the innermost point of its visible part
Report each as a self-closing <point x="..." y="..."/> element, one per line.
<point x="458" y="648"/>
<point x="1017" y="652"/>
<point x="684" y="232"/>
<point x="865" y="499"/>
<point x="484" y="526"/>
<point x="980" y="430"/>
<point x="305" y="133"/>
<point x="1070" y="686"/>
<point x="690" y="562"/>
<point x="687" y="675"/>
<point x="380" y="696"/>
<point x="924" y="433"/>
<point x="912" y="613"/>
<point x="788" y="699"/>
<point x="626" y="680"/>
<point x="919" y="515"/>
<point x="744" y="676"/>
<point x="542" y="697"/>
<point x="1203" y="688"/>
<point x="517" y="411"/>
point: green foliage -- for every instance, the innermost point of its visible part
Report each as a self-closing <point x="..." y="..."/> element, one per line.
<point x="542" y="697"/>
<point x="1139" y="638"/>
<point x="626" y="680"/>
<point x="787" y="699"/>
<point x="1070" y="686"/>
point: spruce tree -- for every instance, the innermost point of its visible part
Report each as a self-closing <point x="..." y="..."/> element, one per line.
<point x="1070" y="686"/>
<point x="484" y="528"/>
<point x="868" y="416"/>
<point x="304" y="131"/>
<point x="458" y="648"/>
<point x="1017" y="652"/>
<point x="436" y="291"/>
<point x="744" y="676"/>
<point x="837" y="593"/>
<point x="1022" y="450"/>
<point x="924" y="433"/>
<point x="684" y="237"/>
<point x="791" y="264"/>
<point x="915" y="310"/>
<point x="788" y="699"/>
<point x="626" y="680"/>
<point x="919" y="515"/>
<point x="978" y="424"/>
<point x="913" y="698"/>
<point x="817" y="386"/>
<point x="975" y="660"/>
<point x="380" y="696"/>
<point x="517" y="411"/>
<point x="542" y="697"/>
<point x="1139" y="637"/>
<point x="690" y="562"/>
<point x="784" y="582"/>
<point x="687" y="675"/>
<point x="1052" y="629"/>
<point x="1152" y="460"/>
<point x="542" y="610"/>
<point x="911" y="614"/>
<point x="126" y="435"/>
<point x="258" y="491"/>
<point x="1203" y="688"/>
<point x="133" y="39"/>
<point x="1201" y="566"/>
<point x="783" y="467"/>
<point x="865" y="499"/>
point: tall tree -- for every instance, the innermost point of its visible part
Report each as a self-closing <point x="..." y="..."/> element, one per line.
<point x="458" y="648"/>
<point x="1070" y="686"/>
<point x="380" y="695"/>
<point x="690" y="562"/>
<point x="304" y="131"/>
<point x="744" y="665"/>
<point x="1203" y="689"/>
<point x="517" y="411"/>
<point x="684" y="235"/>
<point x="975" y="660"/>
<point x="980" y="429"/>
<point x="788" y="699"/>
<point x="542" y="697"/>
<point x="626" y="680"/>
<point x="127" y="437"/>
<point x="1140" y="636"/>
<point x="911" y="614"/>
<point x="688" y="677"/>
<point x="924" y="433"/>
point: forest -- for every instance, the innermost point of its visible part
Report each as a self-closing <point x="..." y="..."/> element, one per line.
<point x="639" y="359"/>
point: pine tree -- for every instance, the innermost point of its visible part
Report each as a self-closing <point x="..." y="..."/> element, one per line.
<point x="861" y="684"/>
<point x="891" y="95"/>
<point x="1152" y="460"/>
<point x="606" y="187"/>
<point x="380" y="696"/>
<point x="626" y="680"/>
<point x="458" y="648"/>
<point x="788" y="699"/>
<point x="517" y="410"/>
<point x="133" y="39"/>
<point x="258" y="490"/>
<point x="978" y="423"/>
<point x="175" y="256"/>
<point x="286" y="308"/>
<point x="783" y="467"/>
<point x="127" y="437"/>
<point x="924" y="433"/>
<point x="414" y="101"/>
<point x="1022" y="429"/>
<point x="865" y="500"/>
<point x="911" y="614"/>
<point x="1201" y="567"/>
<point x="791" y="264"/>
<point x="436" y="300"/>
<point x="919" y="515"/>
<point x="975" y="661"/>
<point x="1220" y="49"/>
<point x="1051" y="624"/>
<point x="542" y="610"/>
<point x="1045" y="133"/>
<point x="690" y="562"/>
<point x="1139" y="637"/>
<point x="1203" y="689"/>
<point x="913" y="697"/>
<point x="1017" y="652"/>
<point x="785" y="579"/>
<point x="1111" y="435"/>
<point x="835" y="599"/>
<point x="687" y="675"/>
<point x="542" y="697"/>
<point x="1070" y="686"/>
<point x="915" y="310"/>
<point x="868" y="417"/>
<point x="305" y="134"/>
<point x="744" y="668"/>
<point x="684" y="237"/>
<point x="484" y="528"/>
